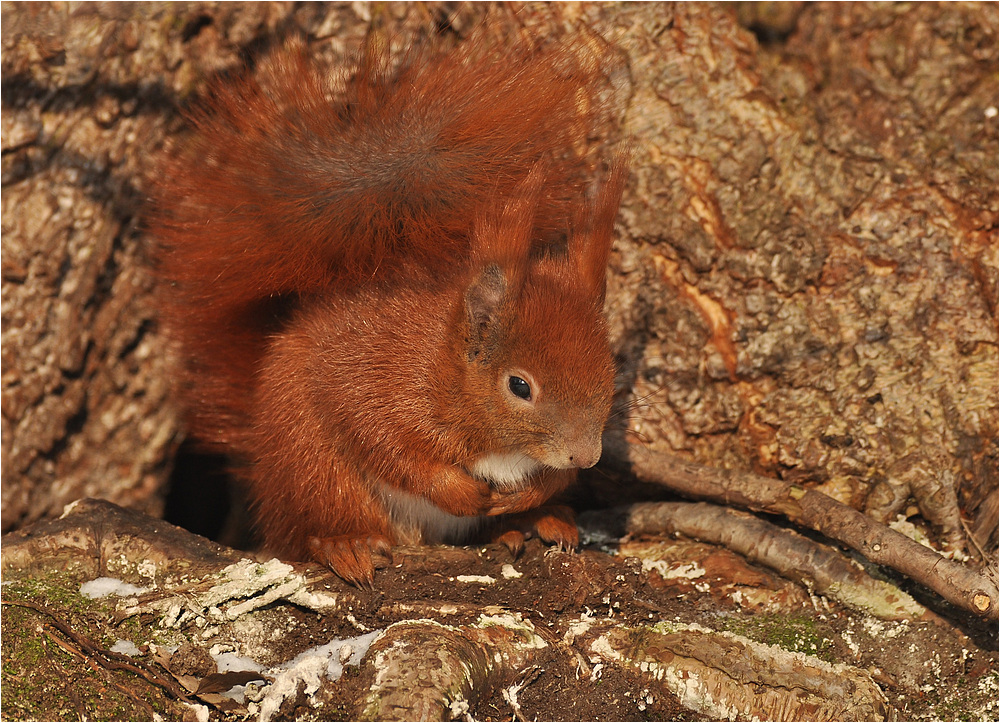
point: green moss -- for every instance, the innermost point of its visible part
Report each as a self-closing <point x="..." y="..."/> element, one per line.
<point x="58" y="591"/>
<point x="796" y="633"/>
<point x="34" y="668"/>
<point x="139" y="632"/>
<point x="43" y="679"/>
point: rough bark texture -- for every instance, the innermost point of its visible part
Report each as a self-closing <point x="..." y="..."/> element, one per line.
<point x="86" y="404"/>
<point x="808" y="284"/>
<point x="91" y="93"/>
<point x="962" y="585"/>
<point x="756" y="681"/>
<point x="792" y="555"/>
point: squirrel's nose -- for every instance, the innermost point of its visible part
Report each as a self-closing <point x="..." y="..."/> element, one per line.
<point x="584" y="452"/>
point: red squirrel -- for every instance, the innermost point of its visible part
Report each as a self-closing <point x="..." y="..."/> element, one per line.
<point x="388" y="293"/>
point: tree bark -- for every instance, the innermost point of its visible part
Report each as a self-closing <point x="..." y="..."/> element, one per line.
<point x="806" y="287"/>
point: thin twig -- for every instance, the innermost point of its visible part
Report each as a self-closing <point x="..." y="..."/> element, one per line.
<point x="972" y="538"/>
<point x="97" y="666"/>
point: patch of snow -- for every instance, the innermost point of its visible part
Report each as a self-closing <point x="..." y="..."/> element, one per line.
<point x="509" y="572"/>
<point x="231" y="662"/>
<point x="105" y="586"/>
<point x="310" y="667"/>
<point x="126" y="647"/>
<point x="338" y="653"/>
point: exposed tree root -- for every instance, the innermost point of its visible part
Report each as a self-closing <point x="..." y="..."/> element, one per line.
<point x="728" y="677"/>
<point x="794" y="556"/>
<point x="423" y="670"/>
<point x="445" y="658"/>
<point x="963" y="587"/>
<point x="460" y="632"/>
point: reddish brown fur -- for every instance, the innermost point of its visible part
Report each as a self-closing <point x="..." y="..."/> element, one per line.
<point x="353" y="281"/>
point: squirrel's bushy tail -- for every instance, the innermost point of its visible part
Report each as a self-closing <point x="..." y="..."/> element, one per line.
<point x="293" y="184"/>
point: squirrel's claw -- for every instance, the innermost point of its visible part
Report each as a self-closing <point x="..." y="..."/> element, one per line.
<point x="513" y="540"/>
<point x="353" y="558"/>
<point x="556" y="524"/>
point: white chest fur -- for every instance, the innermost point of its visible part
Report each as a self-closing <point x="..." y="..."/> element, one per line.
<point x="505" y="471"/>
<point x="420" y="521"/>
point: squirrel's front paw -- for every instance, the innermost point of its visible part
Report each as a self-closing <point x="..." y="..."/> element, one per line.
<point x="458" y="493"/>
<point x="532" y="497"/>
<point x="353" y="557"/>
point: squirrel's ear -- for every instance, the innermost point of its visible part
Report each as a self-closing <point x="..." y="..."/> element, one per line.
<point x="484" y="300"/>
<point x="590" y="241"/>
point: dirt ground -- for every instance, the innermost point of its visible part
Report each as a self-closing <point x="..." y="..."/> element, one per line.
<point x="57" y="664"/>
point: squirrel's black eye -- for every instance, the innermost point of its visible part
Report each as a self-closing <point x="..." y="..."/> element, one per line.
<point x="519" y="388"/>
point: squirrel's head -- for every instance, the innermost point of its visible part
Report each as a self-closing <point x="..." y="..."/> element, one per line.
<point x="536" y="344"/>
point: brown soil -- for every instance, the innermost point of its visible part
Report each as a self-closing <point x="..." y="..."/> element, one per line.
<point x="931" y="669"/>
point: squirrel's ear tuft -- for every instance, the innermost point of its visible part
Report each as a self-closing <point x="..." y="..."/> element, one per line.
<point x="590" y="241"/>
<point x="502" y="236"/>
<point x="503" y="231"/>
